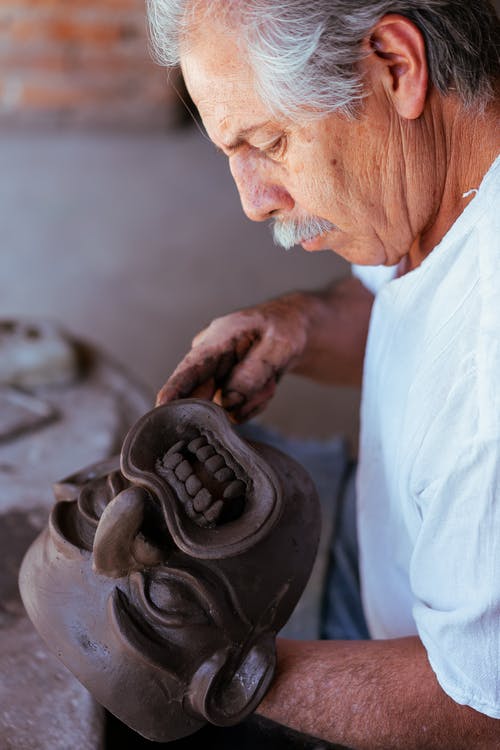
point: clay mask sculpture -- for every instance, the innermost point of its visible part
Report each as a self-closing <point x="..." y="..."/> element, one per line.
<point x="161" y="580"/>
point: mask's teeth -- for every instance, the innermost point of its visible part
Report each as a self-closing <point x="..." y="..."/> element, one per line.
<point x="196" y="444"/>
<point x="205" y="486"/>
<point x="203" y="453"/>
<point x="177" y="447"/>
<point x="202" y="521"/>
<point x="224" y="475"/>
<point x="193" y="485"/>
<point x="189" y="508"/>
<point x="234" y="489"/>
<point x="202" y="500"/>
<point x="215" y="463"/>
<point x="183" y="471"/>
<point x="172" y="460"/>
<point x="213" y="513"/>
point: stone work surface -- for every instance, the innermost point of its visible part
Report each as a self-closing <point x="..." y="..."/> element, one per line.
<point x="94" y="415"/>
<point x="42" y="706"/>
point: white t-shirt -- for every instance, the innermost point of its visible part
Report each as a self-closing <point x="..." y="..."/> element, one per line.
<point x="429" y="470"/>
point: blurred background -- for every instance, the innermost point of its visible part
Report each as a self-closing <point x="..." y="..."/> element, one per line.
<point x="117" y="217"/>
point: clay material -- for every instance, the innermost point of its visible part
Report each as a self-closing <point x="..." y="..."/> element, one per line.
<point x="36" y="353"/>
<point x="21" y="413"/>
<point x="162" y="580"/>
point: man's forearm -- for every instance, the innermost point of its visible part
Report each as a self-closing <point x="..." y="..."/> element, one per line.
<point x="337" y="320"/>
<point x="371" y="695"/>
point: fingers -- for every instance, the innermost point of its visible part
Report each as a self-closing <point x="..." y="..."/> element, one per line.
<point x="207" y="366"/>
<point x="206" y="390"/>
<point x="256" y="404"/>
<point x="238" y="360"/>
<point x="191" y="374"/>
<point x="265" y="363"/>
<point x="253" y="381"/>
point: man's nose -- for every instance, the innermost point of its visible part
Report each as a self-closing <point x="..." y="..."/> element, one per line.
<point x="261" y="196"/>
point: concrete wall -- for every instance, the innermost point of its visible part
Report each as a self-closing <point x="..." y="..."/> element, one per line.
<point x="136" y="242"/>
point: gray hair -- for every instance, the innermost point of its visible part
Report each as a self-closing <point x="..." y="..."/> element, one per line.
<point x="306" y="53"/>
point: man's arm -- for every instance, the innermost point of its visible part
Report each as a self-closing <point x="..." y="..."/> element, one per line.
<point x="242" y="356"/>
<point x="372" y="695"/>
<point x="337" y="328"/>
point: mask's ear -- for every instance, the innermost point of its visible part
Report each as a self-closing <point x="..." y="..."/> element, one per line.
<point x="225" y="695"/>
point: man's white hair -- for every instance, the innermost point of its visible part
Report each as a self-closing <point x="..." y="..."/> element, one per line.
<point x="306" y="53"/>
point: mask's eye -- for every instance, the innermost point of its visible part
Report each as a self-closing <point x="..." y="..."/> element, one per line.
<point x="175" y="604"/>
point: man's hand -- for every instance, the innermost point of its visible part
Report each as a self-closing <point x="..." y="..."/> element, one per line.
<point x="239" y="358"/>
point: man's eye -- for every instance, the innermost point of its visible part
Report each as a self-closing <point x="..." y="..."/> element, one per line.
<point x="276" y="149"/>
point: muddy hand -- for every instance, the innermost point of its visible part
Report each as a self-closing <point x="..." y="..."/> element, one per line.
<point x="238" y="359"/>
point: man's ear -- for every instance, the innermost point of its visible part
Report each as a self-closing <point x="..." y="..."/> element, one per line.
<point x="396" y="55"/>
<point x="225" y="694"/>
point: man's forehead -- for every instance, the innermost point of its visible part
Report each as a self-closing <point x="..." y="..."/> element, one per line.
<point x="222" y="85"/>
<point x="225" y="104"/>
<point x="229" y="115"/>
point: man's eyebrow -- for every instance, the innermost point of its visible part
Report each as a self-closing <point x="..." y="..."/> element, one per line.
<point x="242" y="134"/>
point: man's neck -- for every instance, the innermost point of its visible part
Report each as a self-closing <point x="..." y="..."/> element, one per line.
<point x="471" y="143"/>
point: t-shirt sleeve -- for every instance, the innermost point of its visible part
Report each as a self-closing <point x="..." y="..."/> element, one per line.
<point x="455" y="565"/>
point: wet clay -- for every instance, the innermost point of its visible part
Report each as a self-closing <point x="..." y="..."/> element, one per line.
<point x="164" y="575"/>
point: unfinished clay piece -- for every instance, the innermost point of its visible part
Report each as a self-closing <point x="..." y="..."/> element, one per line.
<point x="35" y="353"/>
<point x="162" y="580"/>
<point x="22" y="412"/>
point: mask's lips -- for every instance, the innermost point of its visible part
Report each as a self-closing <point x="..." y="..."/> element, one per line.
<point x="218" y="496"/>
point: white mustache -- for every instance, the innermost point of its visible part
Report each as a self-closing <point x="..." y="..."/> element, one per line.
<point x="290" y="232"/>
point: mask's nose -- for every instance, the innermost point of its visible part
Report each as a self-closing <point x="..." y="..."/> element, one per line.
<point x="261" y="196"/>
<point x="119" y="546"/>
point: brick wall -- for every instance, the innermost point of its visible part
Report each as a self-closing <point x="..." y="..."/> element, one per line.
<point x="80" y="63"/>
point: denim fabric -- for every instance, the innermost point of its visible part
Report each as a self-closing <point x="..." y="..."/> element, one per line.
<point x="342" y="615"/>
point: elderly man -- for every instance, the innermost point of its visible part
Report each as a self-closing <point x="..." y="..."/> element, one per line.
<point x="371" y="129"/>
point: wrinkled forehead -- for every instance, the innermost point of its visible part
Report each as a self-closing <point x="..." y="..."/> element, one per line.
<point x="216" y="69"/>
<point x="221" y="81"/>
